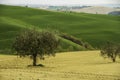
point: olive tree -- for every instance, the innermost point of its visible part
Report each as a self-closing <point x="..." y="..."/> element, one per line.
<point x="35" y="44"/>
<point x="110" y="50"/>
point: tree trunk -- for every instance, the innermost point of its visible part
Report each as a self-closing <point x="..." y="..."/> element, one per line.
<point x="34" y="59"/>
<point x="114" y="60"/>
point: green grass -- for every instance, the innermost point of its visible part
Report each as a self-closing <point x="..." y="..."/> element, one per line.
<point x="94" y="28"/>
<point x="84" y="65"/>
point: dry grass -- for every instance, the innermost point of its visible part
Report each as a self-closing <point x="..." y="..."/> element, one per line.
<point x="84" y="65"/>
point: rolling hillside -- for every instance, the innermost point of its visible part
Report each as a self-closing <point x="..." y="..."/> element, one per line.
<point x="93" y="28"/>
<point x="97" y="10"/>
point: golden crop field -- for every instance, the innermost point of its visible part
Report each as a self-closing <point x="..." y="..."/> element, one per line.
<point x="83" y="65"/>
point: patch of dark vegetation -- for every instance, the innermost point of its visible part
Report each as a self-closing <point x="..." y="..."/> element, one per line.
<point x="116" y="13"/>
<point x="77" y="41"/>
<point x="73" y="39"/>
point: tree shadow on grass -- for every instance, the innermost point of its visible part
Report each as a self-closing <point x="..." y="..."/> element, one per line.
<point x="39" y="65"/>
<point x="103" y="63"/>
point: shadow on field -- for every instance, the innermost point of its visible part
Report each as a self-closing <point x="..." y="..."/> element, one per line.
<point x="103" y="63"/>
<point x="39" y="65"/>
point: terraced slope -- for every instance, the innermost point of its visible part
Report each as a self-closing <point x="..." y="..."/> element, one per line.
<point x="95" y="29"/>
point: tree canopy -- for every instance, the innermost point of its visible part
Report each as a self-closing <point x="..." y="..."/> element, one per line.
<point x="111" y="50"/>
<point x="36" y="44"/>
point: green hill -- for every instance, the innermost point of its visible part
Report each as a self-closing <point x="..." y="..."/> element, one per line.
<point x="93" y="28"/>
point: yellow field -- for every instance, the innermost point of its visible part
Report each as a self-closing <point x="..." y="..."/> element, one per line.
<point x="83" y="65"/>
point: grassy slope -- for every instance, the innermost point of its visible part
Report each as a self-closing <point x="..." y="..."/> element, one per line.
<point x="90" y="27"/>
<point x="10" y="27"/>
<point x="84" y="65"/>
